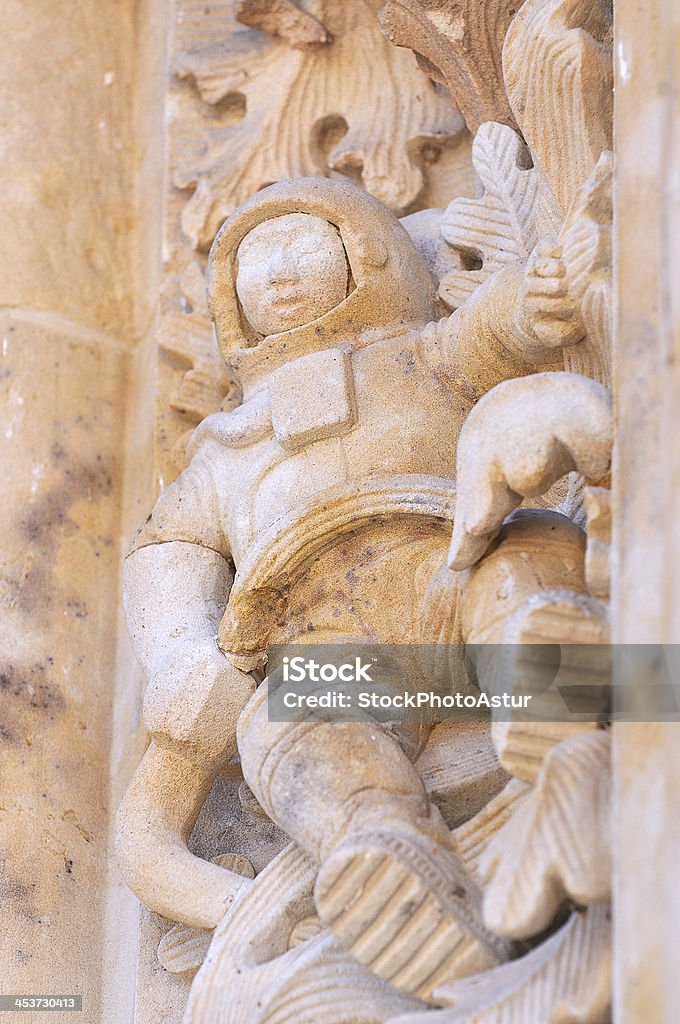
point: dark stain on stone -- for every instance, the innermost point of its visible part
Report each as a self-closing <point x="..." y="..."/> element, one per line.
<point x="27" y="696"/>
<point x="17" y="896"/>
<point x="31" y="686"/>
<point x="33" y="588"/>
<point x="77" y="609"/>
<point x="50" y="511"/>
<point x="352" y="578"/>
<point x="46" y="521"/>
<point x="6" y="735"/>
<point x="407" y="362"/>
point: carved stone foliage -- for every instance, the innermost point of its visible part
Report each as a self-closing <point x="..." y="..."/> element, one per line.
<point x="302" y="114"/>
<point x="459" y="44"/>
<point x="558" y="74"/>
<point x="367" y="469"/>
<point x="500" y="226"/>
<point x="553" y="181"/>
<point x="567" y="978"/>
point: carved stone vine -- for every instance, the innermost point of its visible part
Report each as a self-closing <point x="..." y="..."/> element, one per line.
<point x="481" y="860"/>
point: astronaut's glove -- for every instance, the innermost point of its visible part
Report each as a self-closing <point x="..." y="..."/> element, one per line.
<point x="548" y="318"/>
<point x="195" y="697"/>
<point x="520" y="439"/>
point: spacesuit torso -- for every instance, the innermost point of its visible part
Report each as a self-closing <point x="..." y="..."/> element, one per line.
<point x="390" y="430"/>
<point x="348" y="428"/>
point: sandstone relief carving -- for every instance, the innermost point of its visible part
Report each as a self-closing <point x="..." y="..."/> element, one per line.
<point x="381" y="124"/>
<point x="460" y="46"/>
<point x="252" y="105"/>
<point x="381" y="473"/>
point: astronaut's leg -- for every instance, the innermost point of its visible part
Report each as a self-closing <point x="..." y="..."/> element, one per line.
<point x="389" y="885"/>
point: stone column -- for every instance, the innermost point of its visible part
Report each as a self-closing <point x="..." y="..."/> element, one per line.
<point x="82" y="136"/>
<point x="647" y="480"/>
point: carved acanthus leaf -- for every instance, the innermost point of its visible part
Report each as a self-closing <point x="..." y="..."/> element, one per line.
<point x="557" y="66"/>
<point x="564" y="980"/>
<point x="557" y="845"/>
<point x="558" y="75"/>
<point x="472" y="839"/>
<point x="586" y="244"/>
<point x="304" y="115"/>
<point x="502" y="225"/>
<point x="460" y="45"/>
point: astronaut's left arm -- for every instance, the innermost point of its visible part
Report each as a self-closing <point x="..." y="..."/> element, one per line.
<point x="514" y="324"/>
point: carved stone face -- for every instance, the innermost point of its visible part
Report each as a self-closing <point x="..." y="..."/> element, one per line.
<point x="291" y="270"/>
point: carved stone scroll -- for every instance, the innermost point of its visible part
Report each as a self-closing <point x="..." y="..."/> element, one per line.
<point x="557" y="847"/>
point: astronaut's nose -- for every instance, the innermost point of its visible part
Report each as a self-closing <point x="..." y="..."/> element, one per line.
<point x="282" y="268"/>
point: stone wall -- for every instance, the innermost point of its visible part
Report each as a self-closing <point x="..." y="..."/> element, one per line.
<point x="82" y="101"/>
<point x="647" y="482"/>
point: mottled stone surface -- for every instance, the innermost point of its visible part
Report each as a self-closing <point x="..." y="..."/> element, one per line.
<point x="75" y="63"/>
<point x="64" y="397"/>
<point x="81" y="91"/>
<point x="645" y="581"/>
<point x="80" y="257"/>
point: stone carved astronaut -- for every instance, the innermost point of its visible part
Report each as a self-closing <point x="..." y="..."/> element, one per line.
<point x="330" y="490"/>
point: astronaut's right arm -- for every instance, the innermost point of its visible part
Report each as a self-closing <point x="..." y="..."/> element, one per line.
<point x="175" y="595"/>
<point x="176" y="585"/>
<point x="177" y="580"/>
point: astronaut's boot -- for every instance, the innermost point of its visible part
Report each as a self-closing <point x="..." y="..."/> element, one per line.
<point x="400" y="901"/>
<point x="389" y="885"/>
